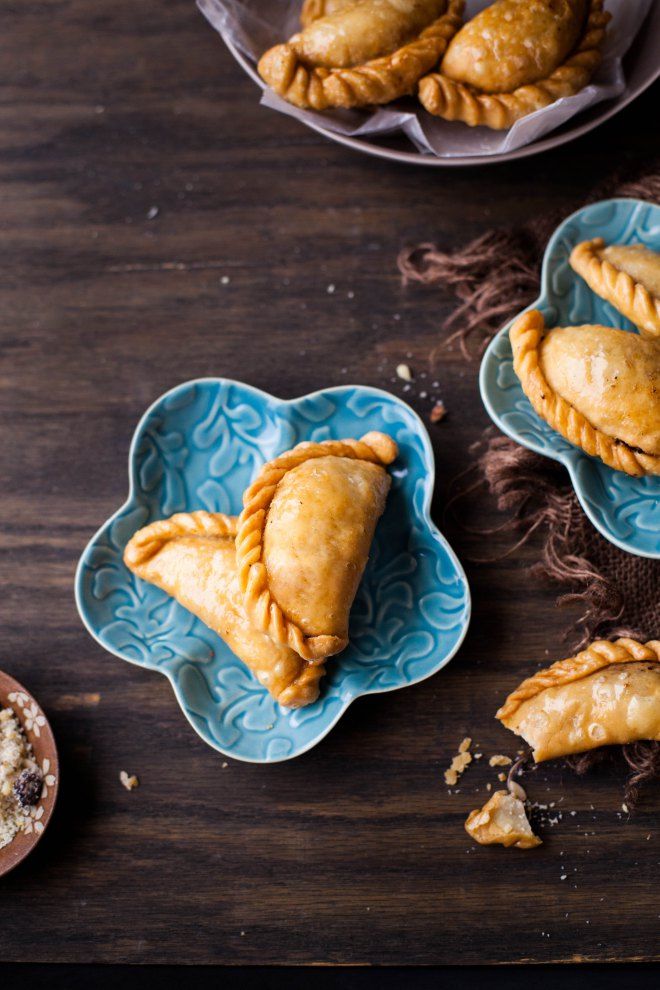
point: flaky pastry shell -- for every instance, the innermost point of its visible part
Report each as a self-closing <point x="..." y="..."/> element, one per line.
<point x="502" y="821"/>
<point x="309" y="76"/>
<point x="452" y="99"/>
<point x="192" y="557"/>
<point x="607" y="694"/>
<point x="304" y="536"/>
<point x="618" y="395"/>
<point x="627" y="276"/>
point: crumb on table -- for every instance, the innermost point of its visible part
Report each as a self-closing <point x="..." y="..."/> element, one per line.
<point x="129" y="782"/>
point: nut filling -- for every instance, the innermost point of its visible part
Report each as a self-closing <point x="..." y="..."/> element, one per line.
<point x="21" y="781"/>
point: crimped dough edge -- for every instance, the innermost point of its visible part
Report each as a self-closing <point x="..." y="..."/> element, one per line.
<point x="630" y="297"/>
<point x="378" y="81"/>
<point x="525" y="335"/>
<point x="598" y="655"/>
<point x="444" y="97"/>
<point x="261" y="606"/>
<point x="149" y="540"/>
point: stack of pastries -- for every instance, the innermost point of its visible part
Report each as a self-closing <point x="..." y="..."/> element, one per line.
<point x="277" y="583"/>
<point x="513" y="58"/>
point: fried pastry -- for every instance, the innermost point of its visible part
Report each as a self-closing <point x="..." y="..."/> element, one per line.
<point x="597" y="386"/>
<point x="608" y="694"/>
<point x="304" y="537"/>
<point x="192" y="557"/>
<point x="502" y="821"/>
<point x="365" y="52"/>
<point x="515" y="57"/>
<point x="626" y="275"/>
<point x="312" y="10"/>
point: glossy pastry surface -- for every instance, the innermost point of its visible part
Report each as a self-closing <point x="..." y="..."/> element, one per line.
<point x="607" y="694"/>
<point x="609" y="375"/>
<point x="597" y="386"/>
<point x="512" y="43"/>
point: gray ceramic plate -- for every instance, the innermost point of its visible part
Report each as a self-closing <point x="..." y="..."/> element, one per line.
<point x="642" y="68"/>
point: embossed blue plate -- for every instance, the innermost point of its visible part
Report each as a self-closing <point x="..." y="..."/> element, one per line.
<point x="198" y="447"/>
<point x="625" y="510"/>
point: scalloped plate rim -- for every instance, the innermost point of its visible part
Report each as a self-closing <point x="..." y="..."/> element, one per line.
<point x="569" y="458"/>
<point x="438" y="537"/>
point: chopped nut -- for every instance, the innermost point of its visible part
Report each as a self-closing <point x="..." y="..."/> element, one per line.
<point x="438" y="412"/>
<point x="130" y="783"/>
<point x="403" y="371"/>
<point x="499" y="761"/>
<point x="465" y="745"/>
<point x="501" y="776"/>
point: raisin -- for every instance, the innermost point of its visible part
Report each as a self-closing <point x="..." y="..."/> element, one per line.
<point x="27" y="788"/>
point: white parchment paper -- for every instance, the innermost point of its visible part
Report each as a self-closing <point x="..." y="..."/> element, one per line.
<point x="253" y="26"/>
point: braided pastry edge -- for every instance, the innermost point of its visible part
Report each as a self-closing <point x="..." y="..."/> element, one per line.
<point x="630" y="297"/>
<point x="149" y="540"/>
<point x="376" y="82"/>
<point x="261" y="607"/>
<point x="451" y="100"/>
<point x="598" y="655"/>
<point x="526" y="335"/>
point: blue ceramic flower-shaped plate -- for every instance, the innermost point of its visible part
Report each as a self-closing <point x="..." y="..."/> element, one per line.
<point x="625" y="510"/>
<point x="198" y="447"/>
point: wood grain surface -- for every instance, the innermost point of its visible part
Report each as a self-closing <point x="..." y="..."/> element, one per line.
<point x="112" y="113"/>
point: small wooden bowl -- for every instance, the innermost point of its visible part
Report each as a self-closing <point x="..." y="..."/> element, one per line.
<point x="39" y="734"/>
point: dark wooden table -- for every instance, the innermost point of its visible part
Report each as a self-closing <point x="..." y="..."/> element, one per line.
<point x="354" y="853"/>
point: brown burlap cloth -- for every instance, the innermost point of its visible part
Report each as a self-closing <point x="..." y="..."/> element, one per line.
<point x="493" y="278"/>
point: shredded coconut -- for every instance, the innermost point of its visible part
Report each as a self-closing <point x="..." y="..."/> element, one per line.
<point x="15" y="757"/>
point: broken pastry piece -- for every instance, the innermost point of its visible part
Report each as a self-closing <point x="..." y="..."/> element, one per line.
<point x="627" y="276"/>
<point x="597" y="386"/>
<point x="192" y="557"/>
<point x="502" y="821"/>
<point x="361" y="53"/>
<point x="515" y="57"/>
<point x="304" y="537"/>
<point x="609" y="694"/>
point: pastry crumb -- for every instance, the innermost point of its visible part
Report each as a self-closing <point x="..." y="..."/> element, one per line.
<point x="499" y="761"/>
<point x="502" y="821"/>
<point x="129" y="782"/>
<point x="438" y="412"/>
<point x="459" y="762"/>
<point x="403" y="371"/>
